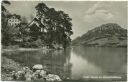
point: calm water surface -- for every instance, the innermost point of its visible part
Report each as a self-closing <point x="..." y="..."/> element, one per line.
<point x="77" y="62"/>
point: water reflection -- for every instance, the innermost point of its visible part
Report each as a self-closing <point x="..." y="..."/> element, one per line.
<point x="77" y="62"/>
<point x="98" y="61"/>
<point x="81" y="67"/>
<point x="56" y="62"/>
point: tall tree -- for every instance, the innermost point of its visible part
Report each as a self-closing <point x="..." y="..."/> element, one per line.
<point x="4" y="17"/>
<point x="3" y="8"/>
<point x="56" y="25"/>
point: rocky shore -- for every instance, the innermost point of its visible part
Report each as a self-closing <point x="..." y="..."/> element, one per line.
<point x="8" y="65"/>
<point x="13" y="71"/>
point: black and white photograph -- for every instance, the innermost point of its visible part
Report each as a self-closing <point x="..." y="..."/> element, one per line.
<point x="63" y="41"/>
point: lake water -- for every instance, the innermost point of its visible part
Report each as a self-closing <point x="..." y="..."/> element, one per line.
<point x="77" y="62"/>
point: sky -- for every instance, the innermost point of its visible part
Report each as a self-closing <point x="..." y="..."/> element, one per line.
<point x="85" y="15"/>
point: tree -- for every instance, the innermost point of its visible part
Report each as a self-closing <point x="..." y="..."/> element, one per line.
<point x="3" y="7"/>
<point x="4" y="15"/>
<point x="56" y="25"/>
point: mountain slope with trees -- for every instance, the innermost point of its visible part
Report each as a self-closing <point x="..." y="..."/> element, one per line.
<point x="110" y="34"/>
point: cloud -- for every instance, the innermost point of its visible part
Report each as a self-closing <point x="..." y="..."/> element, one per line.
<point x="93" y="8"/>
<point x="98" y="13"/>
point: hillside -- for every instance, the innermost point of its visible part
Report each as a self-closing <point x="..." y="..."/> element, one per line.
<point x="110" y="34"/>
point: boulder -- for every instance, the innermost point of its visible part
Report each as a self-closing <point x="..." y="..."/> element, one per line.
<point x="19" y="75"/>
<point x="57" y="78"/>
<point x="38" y="74"/>
<point x="38" y="67"/>
<point x="52" y="77"/>
<point x="26" y="69"/>
<point x="26" y="74"/>
<point x="43" y="73"/>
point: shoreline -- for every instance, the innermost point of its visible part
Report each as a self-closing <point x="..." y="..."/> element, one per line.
<point x="20" y="49"/>
<point x="9" y="65"/>
<point x="100" y="46"/>
<point x="36" y="49"/>
<point x="14" y="71"/>
<point x="26" y="49"/>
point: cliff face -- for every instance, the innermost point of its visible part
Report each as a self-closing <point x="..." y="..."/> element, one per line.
<point x="110" y="34"/>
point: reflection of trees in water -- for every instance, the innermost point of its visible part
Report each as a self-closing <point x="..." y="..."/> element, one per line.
<point x="110" y="60"/>
<point x="56" y="61"/>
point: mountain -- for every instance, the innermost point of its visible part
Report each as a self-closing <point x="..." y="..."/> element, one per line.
<point x="110" y="34"/>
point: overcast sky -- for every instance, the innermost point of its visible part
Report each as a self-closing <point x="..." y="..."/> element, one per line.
<point x="85" y="15"/>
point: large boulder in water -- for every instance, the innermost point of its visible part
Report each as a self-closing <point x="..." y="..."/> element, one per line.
<point x="37" y="67"/>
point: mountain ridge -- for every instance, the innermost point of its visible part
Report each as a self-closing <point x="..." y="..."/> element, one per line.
<point x="110" y="34"/>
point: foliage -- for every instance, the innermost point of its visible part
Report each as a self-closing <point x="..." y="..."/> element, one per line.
<point x="111" y="31"/>
<point x="10" y="33"/>
<point x="51" y="26"/>
<point x="4" y="28"/>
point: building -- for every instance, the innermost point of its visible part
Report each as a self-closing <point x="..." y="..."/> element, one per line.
<point x="14" y="20"/>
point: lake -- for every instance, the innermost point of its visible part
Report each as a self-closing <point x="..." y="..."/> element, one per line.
<point x="77" y="62"/>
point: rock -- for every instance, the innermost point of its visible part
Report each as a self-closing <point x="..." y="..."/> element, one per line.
<point x="49" y="77"/>
<point x="43" y="73"/>
<point x="38" y="74"/>
<point x="68" y="78"/>
<point x="52" y="77"/>
<point x="28" y="76"/>
<point x="26" y="69"/>
<point x="57" y="78"/>
<point x="19" y="75"/>
<point x="37" y="67"/>
<point x="34" y="76"/>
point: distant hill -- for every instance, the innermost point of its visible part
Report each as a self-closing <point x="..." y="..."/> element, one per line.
<point x="110" y="34"/>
